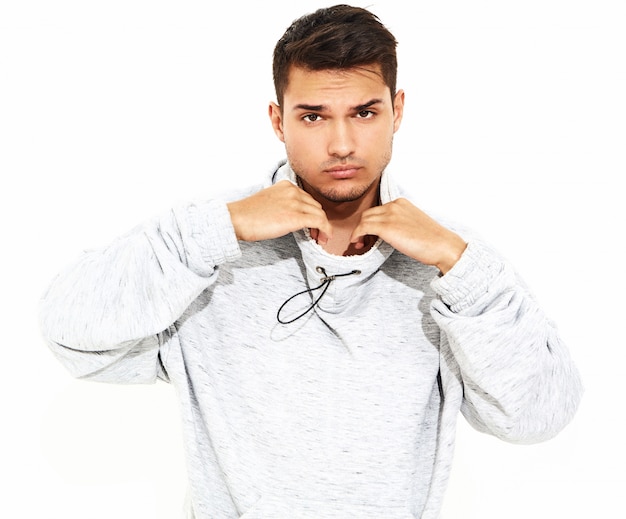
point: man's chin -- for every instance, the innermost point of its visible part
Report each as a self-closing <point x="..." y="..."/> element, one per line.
<point x="341" y="196"/>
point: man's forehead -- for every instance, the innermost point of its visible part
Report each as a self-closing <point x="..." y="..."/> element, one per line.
<point x="354" y="85"/>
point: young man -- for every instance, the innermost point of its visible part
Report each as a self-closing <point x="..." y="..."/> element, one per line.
<point x="321" y="331"/>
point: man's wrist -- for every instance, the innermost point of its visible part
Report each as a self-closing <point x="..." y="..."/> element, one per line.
<point x="452" y="254"/>
<point x="232" y="210"/>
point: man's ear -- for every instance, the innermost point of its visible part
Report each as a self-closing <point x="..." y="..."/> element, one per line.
<point x="276" y="116"/>
<point x="398" y="109"/>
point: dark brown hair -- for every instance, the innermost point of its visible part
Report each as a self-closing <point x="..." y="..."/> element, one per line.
<point x="339" y="37"/>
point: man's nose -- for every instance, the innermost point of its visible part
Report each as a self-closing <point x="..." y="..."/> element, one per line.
<point x="341" y="142"/>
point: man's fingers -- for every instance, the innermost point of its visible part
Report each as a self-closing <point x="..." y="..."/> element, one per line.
<point x="369" y="225"/>
<point x="320" y="237"/>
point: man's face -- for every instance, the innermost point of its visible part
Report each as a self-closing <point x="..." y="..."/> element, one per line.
<point x="338" y="126"/>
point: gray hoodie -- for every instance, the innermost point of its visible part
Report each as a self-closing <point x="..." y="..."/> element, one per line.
<point x="349" y="410"/>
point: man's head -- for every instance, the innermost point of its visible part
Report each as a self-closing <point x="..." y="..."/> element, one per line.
<point x="335" y="38"/>
<point x="335" y="75"/>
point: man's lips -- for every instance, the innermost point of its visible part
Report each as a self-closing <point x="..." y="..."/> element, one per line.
<point x="341" y="172"/>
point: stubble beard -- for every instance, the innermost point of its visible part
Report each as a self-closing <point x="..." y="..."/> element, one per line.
<point x="337" y="195"/>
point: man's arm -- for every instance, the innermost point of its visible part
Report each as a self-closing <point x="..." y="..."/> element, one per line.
<point x="102" y="315"/>
<point x="519" y="382"/>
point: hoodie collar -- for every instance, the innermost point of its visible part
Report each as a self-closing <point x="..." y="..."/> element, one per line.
<point x="321" y="265"/>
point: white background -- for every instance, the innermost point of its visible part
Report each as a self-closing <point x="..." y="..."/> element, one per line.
<point x="113" y="111"/>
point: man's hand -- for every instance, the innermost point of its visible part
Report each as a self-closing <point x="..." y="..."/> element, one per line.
<point x="412" y="232"/>
<point x="277" y="211"/>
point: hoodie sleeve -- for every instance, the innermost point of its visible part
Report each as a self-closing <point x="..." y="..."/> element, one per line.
<point x="519" y="382"/>
<point x="103" y="317"/>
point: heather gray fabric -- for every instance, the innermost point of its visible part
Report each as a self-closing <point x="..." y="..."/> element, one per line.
<point x="349" y="411"/>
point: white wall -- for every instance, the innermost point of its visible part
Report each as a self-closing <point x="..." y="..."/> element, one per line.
<point x="113" y="111"/>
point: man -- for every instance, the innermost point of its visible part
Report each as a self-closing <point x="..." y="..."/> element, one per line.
<point x="321" y="331"/>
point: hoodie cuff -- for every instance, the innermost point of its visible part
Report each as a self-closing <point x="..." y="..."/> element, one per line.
<point x="469" y="279"/>
<point x="210" y="236"/>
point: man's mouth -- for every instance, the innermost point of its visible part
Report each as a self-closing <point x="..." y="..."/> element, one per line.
<point x="343" y="171"/>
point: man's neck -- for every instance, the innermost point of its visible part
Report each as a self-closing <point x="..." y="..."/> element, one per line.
<point x="344" y="217"/>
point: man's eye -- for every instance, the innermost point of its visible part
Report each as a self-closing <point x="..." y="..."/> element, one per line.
<point x="365" y="114"/>
<point x="311" y="118"/>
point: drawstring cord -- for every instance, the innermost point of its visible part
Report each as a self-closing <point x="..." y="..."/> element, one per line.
<point x="326" y="280"/>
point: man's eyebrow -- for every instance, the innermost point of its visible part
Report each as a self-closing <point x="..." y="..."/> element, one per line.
<point x="367" y="105"/>
<point x="310" y="108"/>
<point x="322" y="108"/>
